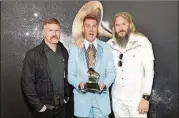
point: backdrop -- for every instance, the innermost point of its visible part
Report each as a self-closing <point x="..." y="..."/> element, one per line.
<point x="21" y="31"/>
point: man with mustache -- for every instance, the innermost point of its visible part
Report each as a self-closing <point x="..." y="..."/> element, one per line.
<point x="134" y="62"/>
<point x="44" y="74"/>
<point x="95" y="55"/>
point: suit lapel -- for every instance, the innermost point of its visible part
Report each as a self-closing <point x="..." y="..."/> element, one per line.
<point x="99" y="56"/>
<point x="82" y="58"/>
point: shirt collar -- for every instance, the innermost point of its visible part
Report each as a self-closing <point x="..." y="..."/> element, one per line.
<point x="87" y="43"/>
<point x="47" y="48"/>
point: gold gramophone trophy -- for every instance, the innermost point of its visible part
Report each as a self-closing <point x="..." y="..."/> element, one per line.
<point x="92" y="84"/>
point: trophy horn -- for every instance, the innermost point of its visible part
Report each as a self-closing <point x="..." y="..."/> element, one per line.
<point x="91" y="7"/>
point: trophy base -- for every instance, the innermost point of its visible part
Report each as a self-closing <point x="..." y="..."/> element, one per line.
<point x="92" y="87"/>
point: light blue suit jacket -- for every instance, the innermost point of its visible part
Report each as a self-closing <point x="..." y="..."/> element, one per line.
<point x="77" y="73"/>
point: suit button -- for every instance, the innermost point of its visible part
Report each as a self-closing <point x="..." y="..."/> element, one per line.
<point x="122" y="70"/>
<point x="122" y="78"/>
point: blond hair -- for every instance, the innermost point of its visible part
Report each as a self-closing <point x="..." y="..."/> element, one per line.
<point x="128" y="17"/>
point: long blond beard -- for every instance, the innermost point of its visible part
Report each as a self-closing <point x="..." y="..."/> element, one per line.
<point x="122" y="41"/>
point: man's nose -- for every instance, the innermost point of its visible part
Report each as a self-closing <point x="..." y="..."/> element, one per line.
<point x="121" y="28"/>
<point x="91" y="28"/>
<point x="53" y="33"/>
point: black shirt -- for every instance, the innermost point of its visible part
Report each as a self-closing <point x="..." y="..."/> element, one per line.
<point x="57" y="68"/>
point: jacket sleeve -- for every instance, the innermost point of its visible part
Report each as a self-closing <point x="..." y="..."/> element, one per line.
<point x="110" y="70"/>
<point x="148" y="65"/>
<point x="72" y="68"/>
<point x="149" y="75"/>
<point x="28" y="82"/>
<point x="68" y="87"/>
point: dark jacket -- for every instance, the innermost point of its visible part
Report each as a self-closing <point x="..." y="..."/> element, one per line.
<point x="36" y="77"/>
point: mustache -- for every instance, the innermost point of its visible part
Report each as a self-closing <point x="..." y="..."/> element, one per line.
<point x="54" y="37"/>
<point x="122" y="31"/>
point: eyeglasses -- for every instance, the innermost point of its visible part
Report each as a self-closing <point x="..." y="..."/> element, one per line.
<point x="120" y="61"/>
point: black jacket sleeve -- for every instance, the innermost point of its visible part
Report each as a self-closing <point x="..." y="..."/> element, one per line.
<point x="28" y="81"/>
<point x="68" y="88"/>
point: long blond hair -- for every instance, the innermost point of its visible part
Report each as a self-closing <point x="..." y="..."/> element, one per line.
<point x="128" y="17"/>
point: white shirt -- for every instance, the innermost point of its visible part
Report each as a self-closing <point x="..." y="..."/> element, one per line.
<point x="87" y="43"/>
<point x="135" y="77"/>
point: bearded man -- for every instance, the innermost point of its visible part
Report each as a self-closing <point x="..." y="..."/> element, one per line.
<point x="134" y="62"/>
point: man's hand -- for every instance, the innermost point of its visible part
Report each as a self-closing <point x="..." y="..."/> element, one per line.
<point x="82" y="85"/>
<point x="43" y="109"/>
<point x="101" y="86"/>
<point x="79" y="43"/>
<point x="143" y="106"/>
<point x="66" y="100"/>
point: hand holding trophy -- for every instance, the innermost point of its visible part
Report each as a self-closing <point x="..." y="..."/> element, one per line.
<point x="92" y="85"/>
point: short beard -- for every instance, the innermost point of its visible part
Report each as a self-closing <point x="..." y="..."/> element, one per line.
<point x="122" y="41"/>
